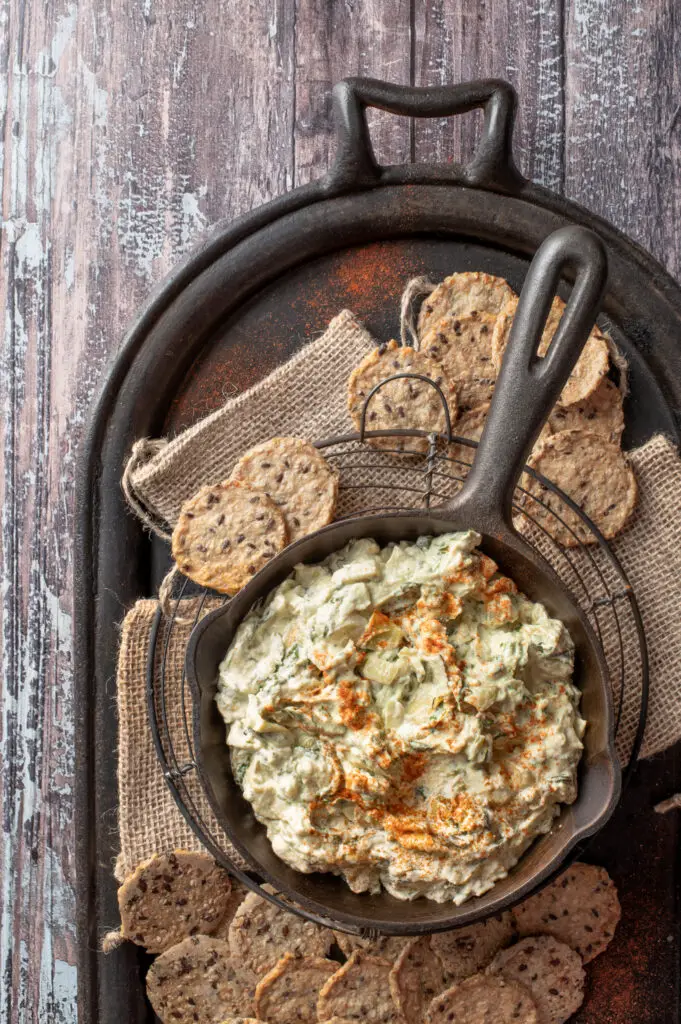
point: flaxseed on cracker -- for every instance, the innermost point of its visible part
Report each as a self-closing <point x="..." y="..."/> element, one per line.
<point x="600" y="412"/>
<point x="360" y="991"/>
<point x="466" y="950"/>
<point x="171" y="896"/>
<point x="387" y="946"/>
<point x="463" y="345"/>
<point x="483" y="999"/>
<point x="462" y="294"/>
<point x="197" y="980"/>
<point x="241" y="1020"/>
<point x="262" y="932"/>
<point x="226" y="533"/>
<point x="288" y="993"/>
<point x="591" y="367"/>
<point x="404" y="403"/>
<point x="416" y="978"/>
<point x="552" y="972"/>
<point x="580" y="907"/>
<point x="298" y="479"/>
<point x="591" y="471"/>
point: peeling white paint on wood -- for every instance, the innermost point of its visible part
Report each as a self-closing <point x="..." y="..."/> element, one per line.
<point x="127" y="131"/>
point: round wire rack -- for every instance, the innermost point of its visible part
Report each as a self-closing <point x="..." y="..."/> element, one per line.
<point x="385" y="471"/>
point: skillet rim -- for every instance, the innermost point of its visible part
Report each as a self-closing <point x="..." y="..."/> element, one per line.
<point x="320" y="912"/>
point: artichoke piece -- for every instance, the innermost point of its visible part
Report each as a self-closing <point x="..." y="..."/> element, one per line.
<point x="381" y="633"/>
<point x="380" y="668"/>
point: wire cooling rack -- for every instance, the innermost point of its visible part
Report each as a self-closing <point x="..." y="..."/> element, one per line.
<point x="414" y="469"/>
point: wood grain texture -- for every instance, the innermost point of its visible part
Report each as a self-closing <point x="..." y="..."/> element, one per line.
<point x="128" y="129"/>
<point x="522" y="43"/>
<point x="333" y="41"/>
<point x="623" y="118"/>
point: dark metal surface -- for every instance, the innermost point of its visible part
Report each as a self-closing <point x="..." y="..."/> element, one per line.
<point x="298" y="254"/>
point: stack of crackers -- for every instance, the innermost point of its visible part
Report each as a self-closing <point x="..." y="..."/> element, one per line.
<point x="278" y="491"/>
<point x="228" y="956"/>
<point x="461" y="334"/>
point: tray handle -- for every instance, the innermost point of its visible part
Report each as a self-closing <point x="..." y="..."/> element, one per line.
<point x="492" y="165"/>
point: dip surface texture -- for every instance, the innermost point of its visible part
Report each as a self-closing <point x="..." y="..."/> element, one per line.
<point x="403" y="717"/>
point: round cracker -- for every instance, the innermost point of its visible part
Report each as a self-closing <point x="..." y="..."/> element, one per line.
<point x="551" y="971"/>
<point x="171" y="896"/>
<point x="594" y="473"/>
<point x="483" y="998"/>
<point x="226" y="533"/>
<point x="467" y="950"/>
<point x="463" y="345"/>
<point x="262" y="932"/>
<point x="288" y="993"/>
<point x="580" y="907"/>
<point x="416" y="978"/>
<point x="462" y="294"/>
<point x="601" y="412"/>
<point x="198" y="980"/>
<point x="400" y="404"/>
<point x="360" y="990"/>
<point x="388" y="947"/>
<point x="236" y="898"/>
<point x="589" y="370"/>
<point x="296" y="477"/>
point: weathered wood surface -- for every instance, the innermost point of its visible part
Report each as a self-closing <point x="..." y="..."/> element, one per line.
<point x="130" y="128"/>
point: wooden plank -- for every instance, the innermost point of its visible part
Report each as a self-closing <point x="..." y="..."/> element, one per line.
<point x="623" y="118"/>
<point x="456" y="41"/>
<point x="127" y="130"/>
<point x="334" y="41"/>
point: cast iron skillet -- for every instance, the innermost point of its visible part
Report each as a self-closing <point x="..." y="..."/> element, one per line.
<point x="525" y="393"/>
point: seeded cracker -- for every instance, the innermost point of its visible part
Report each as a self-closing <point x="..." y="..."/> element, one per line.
<point x="296" y="477"/>
<point x="225" y="533"/>
<point x="387" y="946"/>
<point x="236" y="898"/>
<point x="463" y="345"/>
<point x="401" y="404"/>
<point x="262" y="932"/>
<point x="551" y="971"/>
<point x="360" y="990"/>
<point x="463" y="294"/>
<point x="601" y="412"/>
<point x="416" y="978"/>
<point x="483" y="999"/>
<point x="467" y="950"/>
<point x="171" y="896"/>
<point x="288" y="993"/>
<point x="197" y="980"/>
<point x="580" y="907"/>
<point x="591" y="367"/>
<point x="594" y="473"/>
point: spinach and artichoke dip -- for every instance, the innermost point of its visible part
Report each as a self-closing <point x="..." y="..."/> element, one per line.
<point x="402" y="716"/>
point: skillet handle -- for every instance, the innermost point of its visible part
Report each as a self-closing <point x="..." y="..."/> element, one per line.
<point x="492" y="166"/>
<point x="527" y="387"/>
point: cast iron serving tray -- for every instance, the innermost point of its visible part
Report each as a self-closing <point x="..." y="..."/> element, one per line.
<point x="242" y="303"/>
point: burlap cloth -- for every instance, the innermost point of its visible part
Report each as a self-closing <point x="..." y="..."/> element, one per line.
<point x="162" y="474"/>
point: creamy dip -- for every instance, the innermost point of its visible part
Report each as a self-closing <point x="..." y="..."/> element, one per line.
<point x="402" y="716"/>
